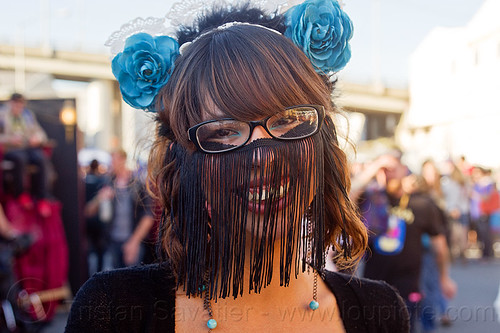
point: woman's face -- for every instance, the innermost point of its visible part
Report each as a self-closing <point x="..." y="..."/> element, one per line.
<point x="270" y="184"/>
<point x="250" y="202"/>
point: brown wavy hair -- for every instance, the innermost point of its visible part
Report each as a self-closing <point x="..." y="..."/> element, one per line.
<point x="248" y="73"/>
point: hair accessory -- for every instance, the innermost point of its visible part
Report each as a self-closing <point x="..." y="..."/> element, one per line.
<point x="184" y="46"/>
<point x="144" y="66"/>
<point x="319" y="27"/>
<point x="231" y="24"/>
<point x="151" y="25"/>
<point x="322" y="30"/>
<point x="184" y="13"/>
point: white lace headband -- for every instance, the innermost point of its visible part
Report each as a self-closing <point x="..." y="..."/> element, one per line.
<point x="225" y="26"/>
<point x="184" y="13"/>
<point x="145" y="54"/>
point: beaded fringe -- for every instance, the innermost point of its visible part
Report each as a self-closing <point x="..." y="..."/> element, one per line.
<point x="215" y="242"/>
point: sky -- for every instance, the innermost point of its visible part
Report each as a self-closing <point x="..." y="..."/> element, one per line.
<point x="386" y="32"/>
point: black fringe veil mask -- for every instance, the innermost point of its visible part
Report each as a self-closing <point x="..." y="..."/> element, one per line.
<point x="240" y="203"/>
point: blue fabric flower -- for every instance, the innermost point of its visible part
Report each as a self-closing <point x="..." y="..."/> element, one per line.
<point x="322" y="30"/>
<point x="144" y="66"/>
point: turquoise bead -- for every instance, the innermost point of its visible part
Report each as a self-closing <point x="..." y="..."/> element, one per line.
<point x="314" y="305"/>
<point x="212" y="323"/>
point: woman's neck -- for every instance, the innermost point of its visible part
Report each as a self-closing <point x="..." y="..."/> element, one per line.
<point x="275" y="308"/>
<point x="273" y="291"/>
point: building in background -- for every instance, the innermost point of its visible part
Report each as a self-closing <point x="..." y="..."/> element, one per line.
<point x="369" y="112"/>
<point x="454" y="92"/>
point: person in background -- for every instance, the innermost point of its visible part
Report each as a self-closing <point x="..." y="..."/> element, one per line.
<point x="456" y="194"/>
<point x="464" y="166"/>
<point x="22" y="138"/>
<point x="96" y="228"/>
<point x="484" y="201"/>
<point x="124" y="201"/>
<point x="434" y="303"/>
<point x="397" y="217"/>
<point x="12" y="244"/>
<point x="432" y="178"/>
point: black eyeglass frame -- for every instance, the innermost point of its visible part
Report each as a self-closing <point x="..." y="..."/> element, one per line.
<point x="192" y="131"/>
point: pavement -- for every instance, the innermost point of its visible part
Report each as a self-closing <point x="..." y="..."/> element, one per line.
<point x="58" y="323"/>
<point x="472" y="310"/>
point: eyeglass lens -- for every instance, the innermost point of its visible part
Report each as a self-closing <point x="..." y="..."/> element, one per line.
<point x="290" y="124"/>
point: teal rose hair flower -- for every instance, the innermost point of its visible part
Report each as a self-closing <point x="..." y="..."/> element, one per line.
<point x="143" y="67"/>
<point x="323" y="30"/>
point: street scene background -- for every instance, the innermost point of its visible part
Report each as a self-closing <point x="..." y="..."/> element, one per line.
<point x="423" y="80"/>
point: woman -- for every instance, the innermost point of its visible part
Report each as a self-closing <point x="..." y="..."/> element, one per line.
<point x="434" y="304"/>
<point x="484" y="201"/>
<point x="254" y="189"/>
<point x="432" y="178"/>
<point x="456" y="193"/>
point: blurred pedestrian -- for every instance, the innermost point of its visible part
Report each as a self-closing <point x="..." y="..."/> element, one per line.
<point x="434" y="304"/>
<point x="432" y="177"/>
<point x="465" y="167"/>
<point x="22" y="138"/>
<point x="456" y="192"/>
<point x="96" y="227"/>
<point x="124" y="201"/>
<point x="485" y="200"/>
<point x="398" y="217"/>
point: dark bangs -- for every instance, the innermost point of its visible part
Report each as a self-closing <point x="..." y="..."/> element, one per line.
<point x="244" y="72"/>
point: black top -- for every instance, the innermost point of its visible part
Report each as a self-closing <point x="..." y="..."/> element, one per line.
<point x="402" y="270"/>
<point x="142" y="299"/>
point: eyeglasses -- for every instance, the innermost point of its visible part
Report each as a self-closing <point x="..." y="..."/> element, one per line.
<point x="222" y="135"/>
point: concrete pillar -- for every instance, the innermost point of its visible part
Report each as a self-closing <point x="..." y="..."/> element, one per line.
<point x="137" y="132"/>
<point x="98" y="119"/>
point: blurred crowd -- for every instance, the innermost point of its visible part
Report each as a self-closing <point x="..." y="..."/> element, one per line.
<point x="33" y="248"/>
<point x="421" y="220"/>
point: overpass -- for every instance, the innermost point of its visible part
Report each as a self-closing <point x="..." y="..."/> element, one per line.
<point x="101" y="112"/>
<point x="70" y="65"/>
